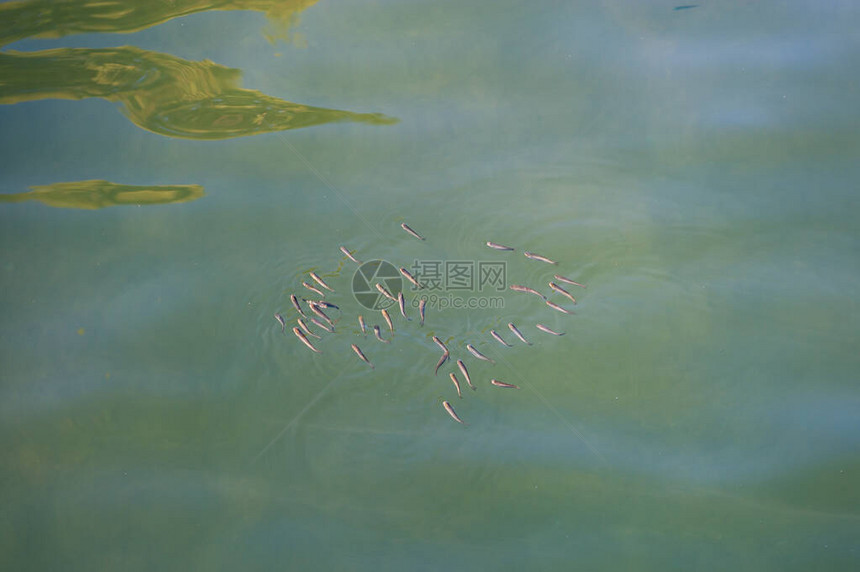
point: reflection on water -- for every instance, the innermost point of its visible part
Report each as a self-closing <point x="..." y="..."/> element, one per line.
<point x="99" y="194"/>
<point x="53" y="19"/>
<point x="161" y="93"/>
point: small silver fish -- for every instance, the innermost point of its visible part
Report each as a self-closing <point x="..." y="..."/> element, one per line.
<point x="305" y="341"/>
<point x="568" y="281"/>
<point x="316" y="310"/>
<point x="456" y="383"/>
<point x="562" y="291"/>
<point x="498" y="383"/>
<point x="498" y="246"/>
<point x="478" y="354"/>
<point x="518" y="288"/>
<point x="282" y="322"/>
<point x="442" y="360"/>
<point x="405" y="227"/>
<point x="318" y="292"/>
<point x="322" y="326"/>
<point x="362" y="324"/>
<point x="555" y="306"/>
<point x="518" y="333"/>
<point x="322" y="304"/>
<point x="451" y="412"/>
<point x="378" y="333"/>
<point x="499" y="339"/>
<point x="408" y="276"/>
<point x="361" y="355"/>
<point x="388" y="320"/>
<point x="401" y="301"/>
<point x="384" y="291"/>
<point x="296" y="305"/>
<point x="465" y="373"/>
<point x="320" y="281"/>
<point x="349" y="255"/>
<point x="534" y="256"/>
<point x="421" y="305"/>
<point x="543" y="328"/>
<point x="306" y="329"/>
<point x="440" y="344"/>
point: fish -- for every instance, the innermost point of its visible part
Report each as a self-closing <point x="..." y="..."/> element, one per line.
<point x="498" y="383"/>
<point x="568" y="281"/>
<point x="405" y="227"/>
<point x="378" y="334"/>
<point x="316" y="310"/>
<point x="498" y="246"/>
<point x="534" y="256"/>
<point x="456" y="383"/>
<point x="401" y="301"/>
<point x="408" y="276"/>
<point x="518" y="333"/>
<point x="452" y="413"/>
<point x="440" y="344"/>
<point x="555" y="306"/>
<point x="322" y="326"/>
<point x="421" y="305"/>
<point x="388" y="320"/>
<point x="518" y="288"/>
<point x="349" y="255"/>
<point x="361" y="355"/>
<point x="499" y="339"/>
<point x="282" y="322"/>
<point x="318" y="292"/>
<point x="306" y="329"/>
<point x="362" y="324"/>
<point x="296" y="305"/>
<point x="320" y="281"/>
<point x="478" y="354"/>
<point x="384" y="291"/>
<point x="562" y="291"/>
<point x="305" y="341"/>
<point x="543" y="328"/>
<point x="442" y="360"/>
<point x="465" y="373"/>
<point x="322" y="304"/>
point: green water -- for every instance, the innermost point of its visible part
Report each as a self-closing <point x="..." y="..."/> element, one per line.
<point x="171" y="172"/>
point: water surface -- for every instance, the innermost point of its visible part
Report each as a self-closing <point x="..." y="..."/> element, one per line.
<point x="171" y="175"/>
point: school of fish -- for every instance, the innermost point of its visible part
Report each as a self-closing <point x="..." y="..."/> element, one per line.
<point x="313" y="311"/>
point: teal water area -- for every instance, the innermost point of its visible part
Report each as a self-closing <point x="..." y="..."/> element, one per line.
<point x="170" y="177"/>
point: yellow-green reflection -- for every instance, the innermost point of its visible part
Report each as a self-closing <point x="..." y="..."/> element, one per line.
<point x="161" y="93"/>
<point x="99" y="194"/>
<point x="57" y="18"/>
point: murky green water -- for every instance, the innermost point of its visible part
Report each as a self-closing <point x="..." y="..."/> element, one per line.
<point x="171" y="172"/>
